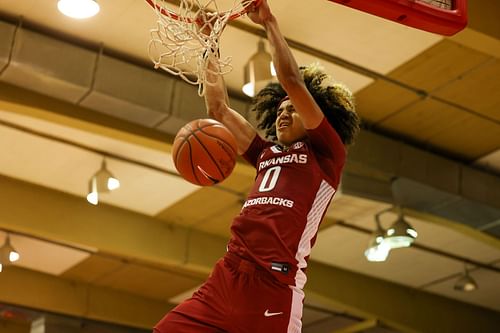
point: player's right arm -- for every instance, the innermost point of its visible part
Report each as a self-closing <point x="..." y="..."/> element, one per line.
<point x="217" y="103"/>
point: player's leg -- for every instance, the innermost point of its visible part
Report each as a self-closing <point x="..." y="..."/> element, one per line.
<point x="205" y="312"/>
<point x="263" y="304"/>
<point x="179" y="321"/>
<point x="277" y="309"/>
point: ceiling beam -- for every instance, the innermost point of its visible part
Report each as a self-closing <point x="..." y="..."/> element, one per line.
<point x="67" y="219"/>
<point x="71" y="220"/>
<point x="398" y="306"/>
<point x="50" y="293"/>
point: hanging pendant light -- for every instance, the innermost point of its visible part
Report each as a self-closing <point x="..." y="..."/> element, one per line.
<point x="465" y="282"/>
<point x="259" y="71"/>
<point x="400" y="234"/>
<point x="105" y="181"/>
<point x="102" y="181"/>
<point x="8" y="254"/>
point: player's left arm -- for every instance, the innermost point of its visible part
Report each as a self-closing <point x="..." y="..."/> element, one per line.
<point x="287" y="69"/>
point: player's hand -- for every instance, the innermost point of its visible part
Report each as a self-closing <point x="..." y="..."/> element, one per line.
<point x="205" y="22"/>
<point x="261" y="13"/>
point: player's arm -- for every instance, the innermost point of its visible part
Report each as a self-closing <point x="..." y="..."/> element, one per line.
<point x="286" y="67"/>
<point x="216" y="97"/>
<point x="217" y="103"/>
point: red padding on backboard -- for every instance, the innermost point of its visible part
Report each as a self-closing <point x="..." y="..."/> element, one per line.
<point x="415" y="14"/>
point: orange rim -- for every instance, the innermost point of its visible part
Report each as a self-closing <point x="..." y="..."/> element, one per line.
<point x="176" y="16"/>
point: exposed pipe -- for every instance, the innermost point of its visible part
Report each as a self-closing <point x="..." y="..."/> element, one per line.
<point x="94" y="74"/>
<point x="12" y="44"/>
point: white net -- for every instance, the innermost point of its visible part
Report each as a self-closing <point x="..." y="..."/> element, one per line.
<point x="184" y="34"/>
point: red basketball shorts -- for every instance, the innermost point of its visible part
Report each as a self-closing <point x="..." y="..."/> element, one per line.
<point x="238" y="297"/>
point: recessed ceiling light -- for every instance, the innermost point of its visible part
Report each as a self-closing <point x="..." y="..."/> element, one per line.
<point x="78" y="9"/>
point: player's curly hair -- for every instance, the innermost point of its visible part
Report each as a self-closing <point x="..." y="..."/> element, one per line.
<point x="335" y="100"/>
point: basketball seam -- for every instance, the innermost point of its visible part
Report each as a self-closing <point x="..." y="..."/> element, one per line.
<point x="209" y="155"/>
<point x="186" y="142"/>
<point x="213" y="136"/>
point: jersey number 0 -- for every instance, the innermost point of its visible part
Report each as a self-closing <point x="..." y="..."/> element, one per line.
<point x="270" y="179"/>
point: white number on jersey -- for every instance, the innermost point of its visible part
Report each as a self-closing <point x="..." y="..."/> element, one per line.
<point x="270" y="179"/>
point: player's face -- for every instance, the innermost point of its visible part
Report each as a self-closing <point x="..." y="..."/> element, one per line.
<point x="289" y="127"/>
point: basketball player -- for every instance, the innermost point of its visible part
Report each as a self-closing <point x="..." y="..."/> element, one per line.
<point x="257" y="287"/>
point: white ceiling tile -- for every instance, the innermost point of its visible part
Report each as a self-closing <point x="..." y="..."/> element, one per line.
<point x="143" y="190"/>
<point x="43" y="256"/>
<point x="490" y="161"/>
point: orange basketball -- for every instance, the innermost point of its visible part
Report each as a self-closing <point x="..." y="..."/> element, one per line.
<point x="204" y="152"/>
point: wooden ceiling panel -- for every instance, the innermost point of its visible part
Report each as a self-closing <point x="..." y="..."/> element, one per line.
<point x="195" y="208"/>
<point x="424" y="120"/>
<point x="381" y="99"/>
<point x="93" y="268"/>
<point x="149" y="282"/>
<point x="478" y="90"/>
<point x="438" y="65"/>
<point x="220" y="223"/>
<point x="470" y="138"/>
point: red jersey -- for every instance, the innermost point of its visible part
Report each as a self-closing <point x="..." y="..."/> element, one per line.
<point x="279" y="221"/>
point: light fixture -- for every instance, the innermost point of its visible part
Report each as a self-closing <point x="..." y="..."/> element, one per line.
<point x="465" y="282"/>
<point x="78" y="9"/>
<point x="93" y="196"/>
<point x="401" y="233"/>
<point x="378" y="250"/>
<point x="7" y="253"/>
<point x="259" y="70"/>
<point x="101" y="182"/>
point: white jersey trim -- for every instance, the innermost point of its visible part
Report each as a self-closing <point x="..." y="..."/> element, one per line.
<point x="323" y="198"/>
<point x="295" y="323"/>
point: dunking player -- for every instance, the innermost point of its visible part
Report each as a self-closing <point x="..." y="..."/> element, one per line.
<point x="257" y="286"/>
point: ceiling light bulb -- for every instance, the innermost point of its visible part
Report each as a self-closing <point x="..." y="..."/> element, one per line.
<point x="93" y="196"/>
<point x="378" y="253"/>
<point x="113" y="183"/>
<point x="273" y="70"/>
<point x="249" y="89"/>
<point x="470" y="286"/>
<point x="412" y="232"/>
<point x="14" y="256"/>
<point x="378" y="250"/>
<point x="78" y="9"/>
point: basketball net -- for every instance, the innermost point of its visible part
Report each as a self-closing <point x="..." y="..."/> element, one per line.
<point x="186" y="36"/>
